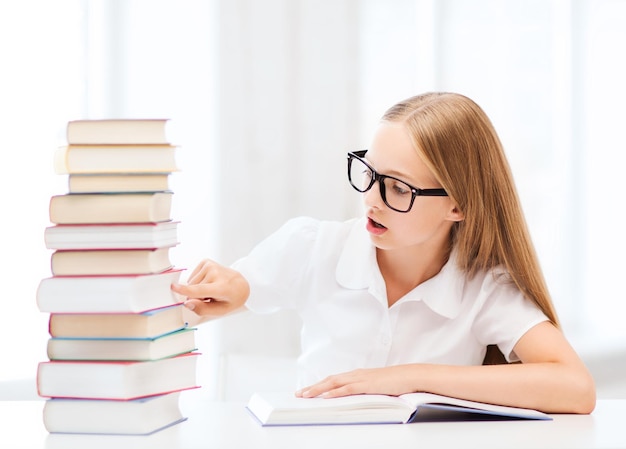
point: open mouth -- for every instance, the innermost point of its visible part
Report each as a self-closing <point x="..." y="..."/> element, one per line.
<point x="375" y="224"/>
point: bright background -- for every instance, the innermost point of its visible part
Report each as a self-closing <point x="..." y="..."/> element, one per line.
<point x="270" y="95"/>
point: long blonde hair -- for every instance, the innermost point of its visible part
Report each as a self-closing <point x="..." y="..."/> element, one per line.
<point x="459" y="144"/>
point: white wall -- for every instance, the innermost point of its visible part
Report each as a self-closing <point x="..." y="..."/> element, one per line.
<point x="271" y="95"/>
<point x="41" y="87"/>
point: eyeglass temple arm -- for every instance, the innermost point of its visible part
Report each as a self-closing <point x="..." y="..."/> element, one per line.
<point x="431" y="192"/>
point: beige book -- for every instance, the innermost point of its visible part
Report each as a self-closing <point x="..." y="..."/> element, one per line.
<point x="110" y="262"/>
<point x="110" y="208"/>
<point x="123" y="182"/>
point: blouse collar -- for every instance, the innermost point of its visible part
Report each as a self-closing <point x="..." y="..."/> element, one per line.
<point x="357" y="269"/>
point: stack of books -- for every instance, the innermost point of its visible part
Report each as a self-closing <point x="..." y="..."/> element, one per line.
<point x="119" y="351"/>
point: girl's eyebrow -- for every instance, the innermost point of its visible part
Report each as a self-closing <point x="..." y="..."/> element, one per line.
<point x="396" y="174"/>
<point x="405" y="177"/>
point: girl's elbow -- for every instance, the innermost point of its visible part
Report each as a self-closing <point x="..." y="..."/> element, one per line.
<point x="585" y="395"/>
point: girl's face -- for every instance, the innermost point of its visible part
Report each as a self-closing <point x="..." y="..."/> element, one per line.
<point x="427" y="225"/>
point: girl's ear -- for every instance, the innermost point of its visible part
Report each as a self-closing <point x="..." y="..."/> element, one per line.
<point x="455" y="214"/>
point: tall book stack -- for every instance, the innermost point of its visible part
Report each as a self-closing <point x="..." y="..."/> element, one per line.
<point x="120" y="352"/>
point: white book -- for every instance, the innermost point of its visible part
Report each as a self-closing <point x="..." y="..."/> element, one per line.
<point x="116" y="380"/>
<point x="107" y="294"/>
<point x="112" y="236"/>
<point x="282" y="409"/>
<point x="142" y="416"/>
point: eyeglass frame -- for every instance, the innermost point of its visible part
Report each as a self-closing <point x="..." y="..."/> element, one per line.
<point x="415" y="191"/>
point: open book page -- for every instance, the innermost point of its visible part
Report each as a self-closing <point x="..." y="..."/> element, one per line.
<point x="285" y="409"/>
<point x="430" y="401"/>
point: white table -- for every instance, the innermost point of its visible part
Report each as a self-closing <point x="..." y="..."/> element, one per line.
<point x="228" y="425"/>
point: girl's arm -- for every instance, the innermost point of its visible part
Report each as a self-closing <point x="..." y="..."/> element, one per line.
<point x="551" y="378"/>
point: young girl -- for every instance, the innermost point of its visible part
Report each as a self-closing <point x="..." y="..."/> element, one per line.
<point x="410" y="296"/>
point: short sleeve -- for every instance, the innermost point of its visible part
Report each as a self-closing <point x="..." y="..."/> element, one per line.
<point x="506" y="315"/>
<point x="276" y="268"/>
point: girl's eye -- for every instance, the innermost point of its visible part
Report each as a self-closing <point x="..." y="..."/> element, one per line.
<point x="400" y="188"/>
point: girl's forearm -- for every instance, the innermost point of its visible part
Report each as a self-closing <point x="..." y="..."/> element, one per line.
<point x="552" y="387"/>
<point x="549" y="387"/>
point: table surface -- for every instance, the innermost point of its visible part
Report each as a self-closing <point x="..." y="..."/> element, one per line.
<point x="229" y="425"/>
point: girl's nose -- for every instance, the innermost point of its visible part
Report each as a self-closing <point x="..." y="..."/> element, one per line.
<point x="373" y="198"/>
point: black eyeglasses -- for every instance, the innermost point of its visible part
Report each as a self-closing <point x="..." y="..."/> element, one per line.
<point x="396" y="194"/>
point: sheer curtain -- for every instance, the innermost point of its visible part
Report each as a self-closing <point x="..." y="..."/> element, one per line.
<point x="269" y="97"/>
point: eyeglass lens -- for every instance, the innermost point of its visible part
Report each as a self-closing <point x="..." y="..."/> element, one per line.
<point x="396" y="194"/>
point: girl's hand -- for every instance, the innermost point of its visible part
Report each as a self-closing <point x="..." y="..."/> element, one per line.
<point x="214" y="290"/>
<point x="391" y="380"/>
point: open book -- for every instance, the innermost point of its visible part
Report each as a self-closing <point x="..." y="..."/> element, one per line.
<point x="283" y="409"/>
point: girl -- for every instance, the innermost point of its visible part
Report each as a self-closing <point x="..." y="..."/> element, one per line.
<point x="411" y="296"/>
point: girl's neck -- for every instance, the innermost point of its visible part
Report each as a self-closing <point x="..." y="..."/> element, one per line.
<point x="403" y="270"/>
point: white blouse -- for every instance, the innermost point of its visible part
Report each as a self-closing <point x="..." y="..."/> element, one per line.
<point x="327" y="272"/>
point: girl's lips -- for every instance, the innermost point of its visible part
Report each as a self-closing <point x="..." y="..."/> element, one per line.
<point x="375" y="228"/>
